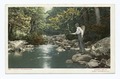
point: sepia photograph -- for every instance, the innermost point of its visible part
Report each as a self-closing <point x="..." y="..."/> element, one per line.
<point x="60" y="39"/>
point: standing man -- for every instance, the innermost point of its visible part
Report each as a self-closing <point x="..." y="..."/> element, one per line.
<point x="80" y="33"/>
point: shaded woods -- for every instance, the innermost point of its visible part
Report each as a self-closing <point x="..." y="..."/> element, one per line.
<point x="38" y="26"/>
<point x="96" y="20"/>
<point x="26" y="22"/>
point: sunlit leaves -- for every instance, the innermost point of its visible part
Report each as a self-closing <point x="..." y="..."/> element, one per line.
<point x="64" y="16"/>
<point x="19" y="19"/>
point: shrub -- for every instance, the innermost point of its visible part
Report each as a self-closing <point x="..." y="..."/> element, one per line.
<point x="35" y="39"/>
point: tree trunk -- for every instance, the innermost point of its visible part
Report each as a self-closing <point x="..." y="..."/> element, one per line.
<point x="10" y="33"/>
<point x="97" y="13"/>
<point x="32" y="27"/>
<point x="85" y="17"/>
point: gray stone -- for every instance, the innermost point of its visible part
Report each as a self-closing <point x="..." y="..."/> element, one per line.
<point x="79" y="57"/>
<point x="105" y="62"/>
<point x="93" y="63"/>
<point x="82" y="62"/>
<point x="101" y="47"/>
<point x="73" y="48"/>
<point x="60" y="49"/>
<point x="108" y="63"/>
<point x="69" y="61"/>
<point x="74" y="57"/>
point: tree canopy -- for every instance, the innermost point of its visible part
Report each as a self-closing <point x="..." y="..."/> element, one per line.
<point x="26" y="21"/>
<point x="96" y="20"/>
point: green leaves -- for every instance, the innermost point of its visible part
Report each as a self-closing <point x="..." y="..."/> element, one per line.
<point x="62" y="16"/>
<point x="20" y="20"/>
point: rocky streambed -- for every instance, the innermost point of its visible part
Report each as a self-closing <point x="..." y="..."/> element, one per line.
<point x="97" y="55"/>
<point x="18" y="47"/>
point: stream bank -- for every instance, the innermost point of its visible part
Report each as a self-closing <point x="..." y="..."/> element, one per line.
<point x="97" y="55"/>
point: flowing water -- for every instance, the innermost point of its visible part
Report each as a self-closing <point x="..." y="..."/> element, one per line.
<point x="43" y="56"/>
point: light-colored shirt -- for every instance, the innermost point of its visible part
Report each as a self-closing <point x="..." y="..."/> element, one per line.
<point x="79" y="31"/>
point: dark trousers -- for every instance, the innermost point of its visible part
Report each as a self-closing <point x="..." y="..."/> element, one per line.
<point x="81" y="45"/>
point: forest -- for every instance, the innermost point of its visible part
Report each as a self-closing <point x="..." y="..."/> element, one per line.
<point x="25" y="22"/>
<point x="32" y="29"/>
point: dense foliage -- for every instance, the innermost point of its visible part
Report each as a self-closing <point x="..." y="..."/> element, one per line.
<point x="24" y="21"/>
<point x="96" y="20"/>
<point x="30" y="23"/>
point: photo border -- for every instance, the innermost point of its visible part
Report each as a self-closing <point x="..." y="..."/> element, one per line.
<point x="65" y="70"/>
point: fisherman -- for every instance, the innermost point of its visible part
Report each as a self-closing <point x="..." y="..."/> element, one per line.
<point x="80" y="33"/>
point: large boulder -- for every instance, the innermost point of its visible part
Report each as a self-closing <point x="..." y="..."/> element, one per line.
<point x="60" y="49"/>
<point x="18" y="47"/>
<point x="101" y="47"/>
<point x="79" y="57"/>
<point x="105" y="63"/>
<point x="93" y="63"/>
<point x="17" y="43"/>
<point x="74" y="57"/>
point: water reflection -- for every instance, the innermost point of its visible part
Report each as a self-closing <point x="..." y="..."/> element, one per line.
<point x="46" y="49"/>
<point x="47" y="63"/>
<point x="43" y="56"/>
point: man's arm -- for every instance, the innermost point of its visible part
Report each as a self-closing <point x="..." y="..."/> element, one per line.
<point x="77" y="30"/>
<point x="73" y="33"/>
